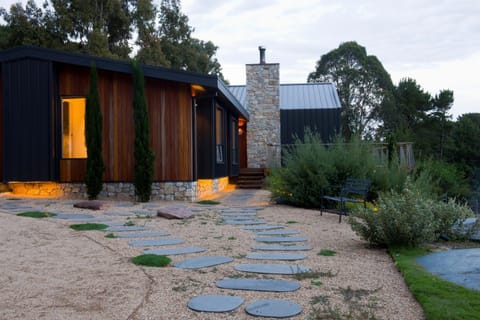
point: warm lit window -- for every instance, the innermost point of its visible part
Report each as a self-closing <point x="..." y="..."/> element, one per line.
<point x="219" y="133"/>
<point x="73" y="128"/>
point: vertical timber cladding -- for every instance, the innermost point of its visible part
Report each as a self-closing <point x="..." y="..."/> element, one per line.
<point x="116" y="94"/>
<point x="171" y="132"/>
<point x="28" y="121"/>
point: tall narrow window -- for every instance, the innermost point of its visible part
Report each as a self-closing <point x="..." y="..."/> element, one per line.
<point x="219" y="135"/>
<point x="73" y="128"/>
<point x="234" y="138"/>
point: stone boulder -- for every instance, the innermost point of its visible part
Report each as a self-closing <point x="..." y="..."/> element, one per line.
<point x="91" y="205"/>
<point x="175" y="213"/>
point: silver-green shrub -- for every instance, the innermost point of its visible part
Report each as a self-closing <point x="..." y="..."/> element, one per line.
<point x="409" y="217"/>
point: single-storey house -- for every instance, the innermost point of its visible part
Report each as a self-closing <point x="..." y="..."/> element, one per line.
<point x="201" y="131"/>
<point x="193" y="125"/>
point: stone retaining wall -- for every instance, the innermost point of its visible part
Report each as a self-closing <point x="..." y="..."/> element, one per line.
<point x="182" y="191"/>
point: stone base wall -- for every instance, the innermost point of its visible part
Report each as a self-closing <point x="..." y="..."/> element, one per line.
<point x="181" y="191"/>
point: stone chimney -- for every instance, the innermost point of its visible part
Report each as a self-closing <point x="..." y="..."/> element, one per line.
<point x="263" y="103"/>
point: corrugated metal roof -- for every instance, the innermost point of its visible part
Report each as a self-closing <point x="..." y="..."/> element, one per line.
<point x="319" y="95"/>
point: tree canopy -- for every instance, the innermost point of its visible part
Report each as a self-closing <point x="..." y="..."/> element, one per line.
<point x="107" y="28"/>
<point x="363" y="86"/>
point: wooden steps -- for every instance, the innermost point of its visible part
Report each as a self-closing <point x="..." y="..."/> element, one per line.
<point x="251" y="178"/>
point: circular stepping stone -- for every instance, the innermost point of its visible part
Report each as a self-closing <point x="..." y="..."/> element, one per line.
<point x="126" y="228"/>
<point x="281" y="248"/>
<point x="202" y="262"/>
<point x="174" y="251"/>
<point x="154" y="242"/>
<point x="73" y="216"/>
<point x="243" y="222"/>
<point x="113" y="223"/>
<point x="235" y="218"/>
<point x="262" y="227"/>
<point x="215" y="303"/>
<point x="272" y="268"/>
<point x="142" y="235"/>
<point x="277" y="256"/>
<point x="273" y="308"/>
<point x="118" y="214"/>
<point x="276" y="232"/>
<point x="281" y="239"/>
<point x="144" y="212"/>
<point x="270" y="285"/>
<point x="94" y="220"/>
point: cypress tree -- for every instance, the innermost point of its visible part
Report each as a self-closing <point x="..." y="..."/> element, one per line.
<point x="144" y="156"/>
<point x="93" y="138"/>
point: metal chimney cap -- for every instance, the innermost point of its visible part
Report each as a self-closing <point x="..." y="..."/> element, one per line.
<point x="262" y="54"/>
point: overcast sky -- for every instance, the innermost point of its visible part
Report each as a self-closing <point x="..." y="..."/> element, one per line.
<point x="436" y="42"/>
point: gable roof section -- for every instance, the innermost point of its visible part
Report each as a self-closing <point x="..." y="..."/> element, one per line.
<point x="318" y="95"/>
<point x="84" y="60"/>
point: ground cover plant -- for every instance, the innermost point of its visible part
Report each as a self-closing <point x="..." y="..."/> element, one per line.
<point x="36" y="214"/>
<point x="440" y="299"/>
<point x="151" y="260"/>
<point x="88" y="226"/>
<point x="208" y="202"/>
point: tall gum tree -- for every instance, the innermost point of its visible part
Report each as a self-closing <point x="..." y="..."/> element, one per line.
<point x="363" y="85"/>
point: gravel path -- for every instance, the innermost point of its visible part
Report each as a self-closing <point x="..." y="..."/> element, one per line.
<point x="52" y="272"/>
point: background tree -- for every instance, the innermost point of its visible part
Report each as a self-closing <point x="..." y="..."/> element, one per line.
<point x="93" y="138"/>
<point x="363" y="86"/>
<point x="144" y="156"/>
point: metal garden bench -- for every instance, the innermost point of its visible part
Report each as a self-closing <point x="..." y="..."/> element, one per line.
<point x="353" y="191"/>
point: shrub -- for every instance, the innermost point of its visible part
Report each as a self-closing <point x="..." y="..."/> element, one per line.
<point x="144" y="156"/>
<point x="93" y="137"/>
<point x="310" y="168"/>
<point x="408" y="218"/>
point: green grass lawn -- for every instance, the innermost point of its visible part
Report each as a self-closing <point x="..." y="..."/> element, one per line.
<point x="440" y="299"/>
<point x="36" y="214"/>
<point x="88" y="226"/>
<point x="208" y="202"/>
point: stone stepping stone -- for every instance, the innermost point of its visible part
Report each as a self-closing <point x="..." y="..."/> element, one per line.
<point x="73" y="216"/>
<point x="95" y="220"/>
<point x="150" y="206"/>
<point x="142" y="235"/>
<point x="118" y="214"/>
<point x="127" y="228"/>
<point x="239" y="218"/>
<point x="281" y="239"/>
<point x="155" y="242"/>
<point x="277" y="232"/>
<point x="215" y="303"/>
<point x="175" y="251"/>
<point x="239" y="213"/>
<point x="281" y="248"/>
<point x="122" y="205"/>
<point x="243" y="222"/>
<point x="270" y="285"/>
<point x="277" y="256"/>
<point x="175" y="213"/>
<point x="271" y="268"/>
<point x="273" y="308"/>
<point x="144" y="212"/>
<point x="202" y="262"/>
<point x="262" y="227"/>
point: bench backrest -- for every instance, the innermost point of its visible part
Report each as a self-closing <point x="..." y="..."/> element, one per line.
<point x="356" y="186"/>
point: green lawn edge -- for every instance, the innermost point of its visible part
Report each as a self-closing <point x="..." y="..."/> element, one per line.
<point x="440" y="299"/>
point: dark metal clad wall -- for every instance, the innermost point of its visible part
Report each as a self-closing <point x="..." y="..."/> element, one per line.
<point x="326" y="122"/>
<point x="27" y="121"/>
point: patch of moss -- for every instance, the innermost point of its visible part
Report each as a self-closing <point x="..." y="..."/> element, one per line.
<point x="88" y="226"/>
<point x="36" y="214"/>
<point x="110" y="236"/>
<point x="152" y="260"/>
<point x="210" y="202"/>
<point x="327" y="253"/>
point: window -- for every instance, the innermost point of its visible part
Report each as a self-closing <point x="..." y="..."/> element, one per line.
<point x="219" y="135"/>
<point x="234" y="138"/>
<point x="73" y="128"/>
